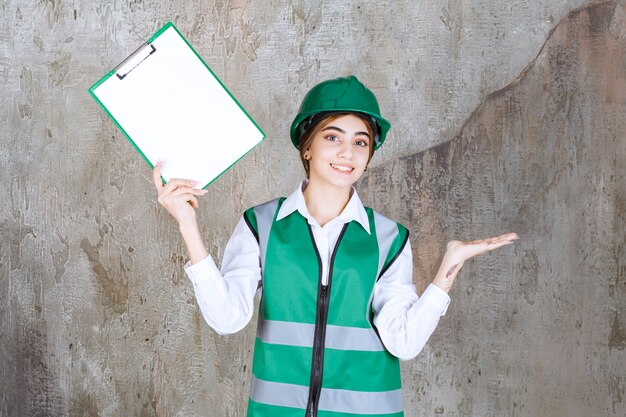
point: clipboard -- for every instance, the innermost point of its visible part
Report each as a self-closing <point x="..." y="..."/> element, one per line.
<point x="171" y="106"/>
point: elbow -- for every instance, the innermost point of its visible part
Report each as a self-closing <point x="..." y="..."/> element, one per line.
<point x="225" y="326"/>
<point x="402" y="348"/>
<point x="407" y="354"/>
<point x="224" y="329"/>
<point x="406" y="358"/>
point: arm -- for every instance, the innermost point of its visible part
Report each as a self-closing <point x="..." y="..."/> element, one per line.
<point x="226" y="299"/>
<point x="404" y="320"/>
<point x="193" y="241"/>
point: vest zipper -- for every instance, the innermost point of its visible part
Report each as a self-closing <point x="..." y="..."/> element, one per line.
<point x="321" y="316"/>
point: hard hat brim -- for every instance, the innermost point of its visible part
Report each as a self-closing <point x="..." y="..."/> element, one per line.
<point x="382" y="123"/>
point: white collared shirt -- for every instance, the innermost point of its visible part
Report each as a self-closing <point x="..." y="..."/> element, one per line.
<point x="226" y="299"/>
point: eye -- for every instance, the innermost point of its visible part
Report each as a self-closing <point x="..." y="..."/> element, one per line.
<point x="361" y="143"/>
<point x="332" y="138"/>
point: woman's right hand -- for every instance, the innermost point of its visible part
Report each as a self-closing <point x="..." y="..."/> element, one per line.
<point x="178" y="197"/>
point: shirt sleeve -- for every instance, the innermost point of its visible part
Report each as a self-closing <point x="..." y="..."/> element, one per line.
<point x="404" y="320"/>
<point x="226" y="298"/>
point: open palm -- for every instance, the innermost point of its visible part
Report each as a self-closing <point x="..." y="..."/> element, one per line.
<point x="460" y="251"/>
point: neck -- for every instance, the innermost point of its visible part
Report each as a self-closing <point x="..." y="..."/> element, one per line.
<point x="325" y="203"/>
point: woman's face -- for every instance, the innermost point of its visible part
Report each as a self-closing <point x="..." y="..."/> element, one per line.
<point x="339" y="152"/>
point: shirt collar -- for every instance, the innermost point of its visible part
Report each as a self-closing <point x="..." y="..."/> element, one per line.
<point x="354" y="210"/>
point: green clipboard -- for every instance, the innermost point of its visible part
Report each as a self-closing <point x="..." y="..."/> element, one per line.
<point x="171" y="106"/>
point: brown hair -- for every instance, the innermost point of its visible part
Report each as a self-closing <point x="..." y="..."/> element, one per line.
<point x="307" y="137"/>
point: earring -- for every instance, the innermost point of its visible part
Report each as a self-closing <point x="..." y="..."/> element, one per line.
<point x="365" y="168"/>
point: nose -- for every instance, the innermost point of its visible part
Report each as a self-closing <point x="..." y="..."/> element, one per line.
<point x="345" y="151"/>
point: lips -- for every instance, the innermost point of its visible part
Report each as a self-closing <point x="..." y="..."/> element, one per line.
<point x="342" y="168"/>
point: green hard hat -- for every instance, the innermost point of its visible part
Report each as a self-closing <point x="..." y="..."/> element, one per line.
<point x="340" y="95"/>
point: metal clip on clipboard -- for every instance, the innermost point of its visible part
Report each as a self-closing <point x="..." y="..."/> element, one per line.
<point x="134" y="59"/>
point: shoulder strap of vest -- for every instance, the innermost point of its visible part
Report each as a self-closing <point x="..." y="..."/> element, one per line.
<point x="250" y="220"/>
<point x="392" y="237"/>
<point x="259" y="219"/>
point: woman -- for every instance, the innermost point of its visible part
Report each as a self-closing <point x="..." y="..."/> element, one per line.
<point x="338" y="308"/>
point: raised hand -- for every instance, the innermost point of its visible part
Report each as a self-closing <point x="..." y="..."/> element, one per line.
<point x="461" y="251"/>
<point x="458" y="251"/>
<point x="178" y="196"/>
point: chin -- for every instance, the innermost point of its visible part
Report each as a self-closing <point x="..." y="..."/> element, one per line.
<point x="347" y="182"/>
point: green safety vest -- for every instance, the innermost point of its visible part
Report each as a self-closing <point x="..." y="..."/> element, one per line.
<point x="317" y="352"/>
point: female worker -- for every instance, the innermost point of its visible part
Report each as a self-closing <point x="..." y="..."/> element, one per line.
<point x="338" y="307"/>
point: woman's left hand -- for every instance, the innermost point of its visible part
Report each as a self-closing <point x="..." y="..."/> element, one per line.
<point x="459" y="251"/>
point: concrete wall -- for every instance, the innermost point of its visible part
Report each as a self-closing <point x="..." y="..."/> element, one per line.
<point x="506" y="116"/>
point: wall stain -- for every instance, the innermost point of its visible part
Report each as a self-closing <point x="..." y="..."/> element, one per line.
<point x="526" y="279"/>
<point x="178" y="261"/>
<point x="15" y="230"/>
<point x="112" y="276"/>
<point x="36" y="384"/>
<point x="617" y="338"/>
<point x="58" y="69"/>
<point x="83" y="404"/>
<point x="616" y="389"/>
<point x="597" y="19"/>
<point x="60" y="258"/>
<point x="617" y="283"/>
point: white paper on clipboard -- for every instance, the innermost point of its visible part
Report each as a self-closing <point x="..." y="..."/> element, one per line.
<point x="172" y="107"/>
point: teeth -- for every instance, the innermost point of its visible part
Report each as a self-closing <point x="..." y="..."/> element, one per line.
<point x="340" y="168"/>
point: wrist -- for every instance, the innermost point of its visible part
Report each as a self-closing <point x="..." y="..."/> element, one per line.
<point x="193" y="241"/>
<point x="188" y="227"/>
<point x="448" y="270"/>
<point x="450" y="258"/>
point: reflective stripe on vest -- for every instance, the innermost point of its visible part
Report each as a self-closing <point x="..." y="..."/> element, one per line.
<point x="335" y="400"/>
<point x="301" y="334"/>
<point x="359" y="376"/>
<point x="265" y="215"/>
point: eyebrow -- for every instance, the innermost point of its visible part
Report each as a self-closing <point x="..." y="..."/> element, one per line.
<point x="344" y="132"/>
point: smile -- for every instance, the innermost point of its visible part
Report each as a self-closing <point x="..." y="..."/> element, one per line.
<point x="342" y="168"/>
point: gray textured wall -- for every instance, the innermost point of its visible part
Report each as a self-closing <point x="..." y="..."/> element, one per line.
<point x="506" y="116"/>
